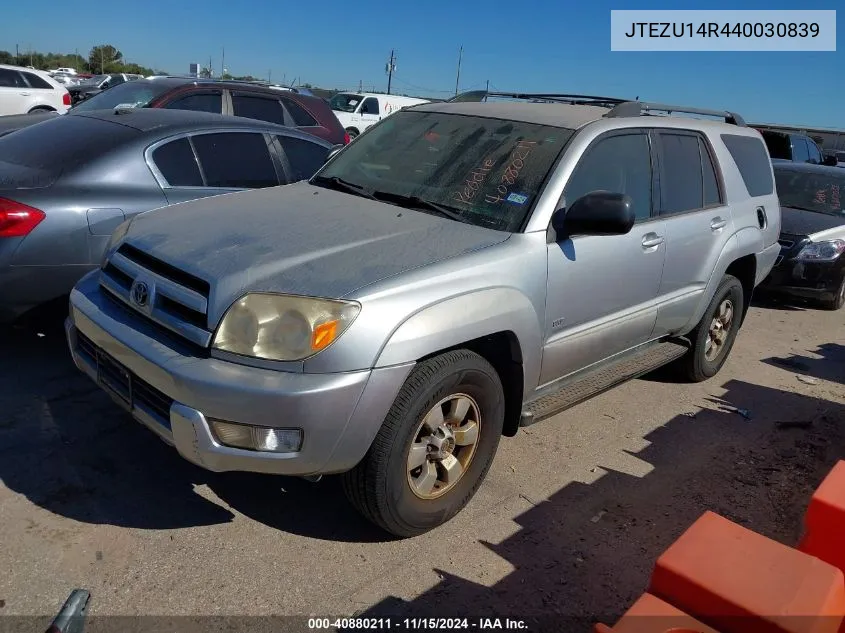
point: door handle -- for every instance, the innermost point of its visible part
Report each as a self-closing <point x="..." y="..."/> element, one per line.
<point x="650" y="240"/>
<point x="25" y="94"/>
<point x="718" y="223"/>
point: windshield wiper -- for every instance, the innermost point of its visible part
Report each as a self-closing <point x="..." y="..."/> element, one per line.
<point x="415" y="202"/>
<point x="343" y="185"/>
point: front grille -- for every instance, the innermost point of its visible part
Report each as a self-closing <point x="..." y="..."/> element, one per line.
<point x="786" y="243"/>
<point x="169" y="297"/>
<point x="124" y="384"/>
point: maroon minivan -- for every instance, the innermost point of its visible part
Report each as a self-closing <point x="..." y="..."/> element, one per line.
<point x="252" y="100"/>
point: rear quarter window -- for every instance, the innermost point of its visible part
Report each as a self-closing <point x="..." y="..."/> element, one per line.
<point x="35" y="81"/>
<point x="752" y="160"/>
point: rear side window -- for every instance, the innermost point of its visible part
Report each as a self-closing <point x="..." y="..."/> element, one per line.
<point x="261" y="108"/>
<point x="36" y="82"/>
<point x="681" y="185"/>
<point x="11" y="79"/>
<point x="800" y="152"/>
<point x="199" y="102"/>
<point x="235" y="160"/>
<point x="753" y="162"/>
<point x="304" y="157"/>
<point x="177" y="164"/>
<point x="301" y="117"/>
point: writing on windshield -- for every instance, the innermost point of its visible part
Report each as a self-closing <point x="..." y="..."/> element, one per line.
<point x="810" y="190"/>
<point x="488" y="170"/>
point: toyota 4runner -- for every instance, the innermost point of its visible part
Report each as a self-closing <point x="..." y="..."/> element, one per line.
<point x="460" y="270"/>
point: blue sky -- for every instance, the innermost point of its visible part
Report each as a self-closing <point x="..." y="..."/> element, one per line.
<point x="529" y="45"/>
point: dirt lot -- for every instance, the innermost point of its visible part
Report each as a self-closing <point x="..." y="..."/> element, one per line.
<point x="569" y="521"/>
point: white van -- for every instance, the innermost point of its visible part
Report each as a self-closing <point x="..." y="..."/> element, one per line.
<point x="357" y="111"/>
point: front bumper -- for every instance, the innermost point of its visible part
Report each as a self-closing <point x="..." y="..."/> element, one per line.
<point x="174" y="392"/>
<point x="808" y="280"/>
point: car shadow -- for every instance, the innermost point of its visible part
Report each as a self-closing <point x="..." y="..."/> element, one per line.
<point x="783" y="303"/>
<point x="586" y="553"/>
<point x="68" y="448"/>
<point x="830" y="364"/>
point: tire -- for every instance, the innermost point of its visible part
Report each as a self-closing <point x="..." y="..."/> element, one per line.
<point x="40" y="110"/>
<point x="384" y="488"/>
<point x="700" y="363"/>
<point x="838" y="300"/>
<point x="352" y="132"/>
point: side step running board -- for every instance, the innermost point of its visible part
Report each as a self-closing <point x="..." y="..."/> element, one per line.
<point x="601" y="380"/>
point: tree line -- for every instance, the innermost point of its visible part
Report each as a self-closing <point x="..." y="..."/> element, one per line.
<point x="102" y="59"/>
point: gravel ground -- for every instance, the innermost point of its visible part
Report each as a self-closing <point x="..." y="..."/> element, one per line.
<point x="569" y="522"/>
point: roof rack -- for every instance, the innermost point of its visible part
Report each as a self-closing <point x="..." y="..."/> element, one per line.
<point x="476" y="96"/>
<point x="640" y="108"/>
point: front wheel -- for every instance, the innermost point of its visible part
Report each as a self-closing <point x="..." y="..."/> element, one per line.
<point x="838" y="299"/>
<point x="715" y="334"/>
<point x="434" y="448"/>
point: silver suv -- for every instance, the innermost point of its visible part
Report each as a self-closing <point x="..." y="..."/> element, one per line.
<point x="459" y="271"/>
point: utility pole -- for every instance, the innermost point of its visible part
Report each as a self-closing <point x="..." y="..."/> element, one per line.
<point x="391" y="66"/>
<point x="360" y="85"/>
<point x="17" y="55"/>
<point x="223" y="63"/>
<point x="487" y="89"/>
<point x="102" y="63"/>
<point x="458" y="80"/>
<point x="269" y="74"/>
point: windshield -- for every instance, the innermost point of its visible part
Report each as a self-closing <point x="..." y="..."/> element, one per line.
<point x="814" y="191"/>
<point x="134" y="94"/>
<point x="487" y="171"/>
<point x="92" y="81"/>
<point x="345" y="102"/>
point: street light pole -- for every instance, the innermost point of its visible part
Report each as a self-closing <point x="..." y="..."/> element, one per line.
<point x="391" y="66"/>
<point x="458" y="80"/>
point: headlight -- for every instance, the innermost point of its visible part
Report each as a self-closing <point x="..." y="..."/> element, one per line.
<point x="118" y="234"/>
<point x="283" y="327"/>
<point x="822" y="251"/>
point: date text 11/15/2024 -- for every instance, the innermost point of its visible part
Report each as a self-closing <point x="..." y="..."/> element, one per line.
<point x="417" y="624"/>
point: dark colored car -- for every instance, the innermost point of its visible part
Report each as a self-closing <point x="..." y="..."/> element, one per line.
<point x="91" y="87"/>
<point x="797" y="148"/>
<point x="811" y="264"/>
<point x="67" y="183"/>
<point x="244" y="99"/>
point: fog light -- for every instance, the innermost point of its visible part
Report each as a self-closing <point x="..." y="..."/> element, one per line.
<point x="257" y="438"/>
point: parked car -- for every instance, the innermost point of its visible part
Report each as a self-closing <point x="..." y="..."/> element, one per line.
<point x="254" y="101"/>
<point x="14" y="122"/>
<point x="63" y="71"/>
<point x="460" y="270"/>
<point x="67" y="183"/>
<point x="92" y="86"/>
<point x="358" y="111"/>
<point x="838" y="156"/>
<point x="811" y="264"/>
<point x="798" y="148"/>
<point x="23" y="90"/>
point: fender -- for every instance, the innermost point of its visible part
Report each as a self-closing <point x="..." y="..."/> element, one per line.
<point x="466" y="317"/>
<point x="746" y="241"/>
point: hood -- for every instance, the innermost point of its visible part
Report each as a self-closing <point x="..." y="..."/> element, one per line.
<point x="801" y="222"/>
<point x="298" y="239"/>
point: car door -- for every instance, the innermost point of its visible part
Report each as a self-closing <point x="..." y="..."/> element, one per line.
<point x="260" y="107"/>
<point x="205" y="100"/>
<point x="602" y="290"/>
<point x="370" y="112"/>
<point x="15" y="95"/>
<point x="211" y="163"/>
<point x="300" y="158"/>
<point x="698" y="222"/>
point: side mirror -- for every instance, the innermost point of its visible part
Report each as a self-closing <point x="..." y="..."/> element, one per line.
<point x="830" y="161"/>
<point x="335" y="150"/>
<point x="597" y="213"/>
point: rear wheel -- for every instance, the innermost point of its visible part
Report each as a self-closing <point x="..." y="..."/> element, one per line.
<point x="434" y="448"/>
<point x="40" y="110"/>
<point x="352" y="132"/>
<point x="715" y="334"/>
<point x="838" y="299"/>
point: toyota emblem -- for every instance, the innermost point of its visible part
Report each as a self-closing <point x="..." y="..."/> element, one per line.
<point x="140" y="294"/>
